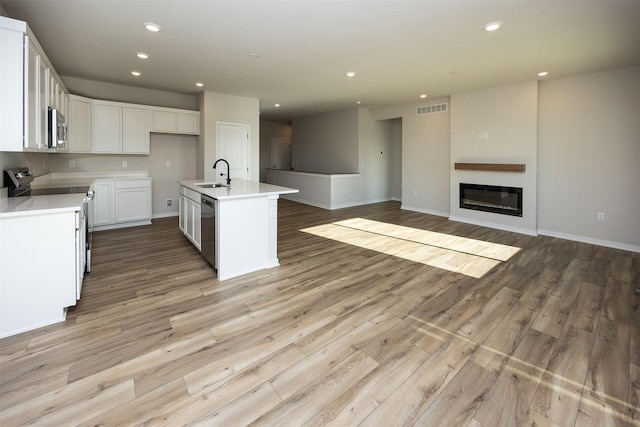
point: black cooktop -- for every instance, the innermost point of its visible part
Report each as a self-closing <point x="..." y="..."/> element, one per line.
<point x="50" y="191"/>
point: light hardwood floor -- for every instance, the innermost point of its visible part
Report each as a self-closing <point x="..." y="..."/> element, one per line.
<point x="375" y="317"/>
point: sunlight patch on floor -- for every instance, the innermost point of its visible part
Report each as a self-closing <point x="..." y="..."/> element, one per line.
<point x="453" y="253"/>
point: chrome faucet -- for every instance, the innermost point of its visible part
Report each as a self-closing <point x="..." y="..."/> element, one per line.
<point x="221" y="174"/>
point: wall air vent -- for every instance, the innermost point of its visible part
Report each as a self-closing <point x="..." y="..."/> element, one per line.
<point x="428" y="109"/>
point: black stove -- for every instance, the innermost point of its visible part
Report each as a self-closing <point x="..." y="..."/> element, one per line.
<point x="62" y="190"/>
<point x="18" y="181"/>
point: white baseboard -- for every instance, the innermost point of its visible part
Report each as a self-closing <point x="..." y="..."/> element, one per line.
<point x="590" y="240"/>
<point x="424" y="211"/>
<point x="165" y="215"/>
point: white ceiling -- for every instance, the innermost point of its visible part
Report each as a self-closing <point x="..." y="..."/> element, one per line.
<point x="399" y="49"/>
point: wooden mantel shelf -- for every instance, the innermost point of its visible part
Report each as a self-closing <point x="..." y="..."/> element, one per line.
<point x="494" y="167"/>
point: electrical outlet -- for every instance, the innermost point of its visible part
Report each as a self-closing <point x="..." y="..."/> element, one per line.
<point x="600" y="216"/>
<point x="169" y="202"/>
<point x="72" y="163"/>
<point x="168" y="163"/>
<point x="124" y="163"/>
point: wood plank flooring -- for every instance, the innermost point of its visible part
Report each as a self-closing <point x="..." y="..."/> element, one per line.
<point x="375" y="317"/>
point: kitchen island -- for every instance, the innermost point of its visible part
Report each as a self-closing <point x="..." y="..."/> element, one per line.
<point x="246" y="223"/>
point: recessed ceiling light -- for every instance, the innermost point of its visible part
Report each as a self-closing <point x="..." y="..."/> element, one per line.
<point x="199" y="84"/>
<point x="276" y="105"/>
<point x="226" y="72"/>
<point x="358" y="102"/>
<point x="492" y="26"/>
<point x="542" y="73"/>
<point x="254" y="55"/>
<point x="351" y="73"/>
<point x="135" y="73"/>
<point x="142" y="55"/>
<point x="152" y="27"/>
<point x="424" y="95"/>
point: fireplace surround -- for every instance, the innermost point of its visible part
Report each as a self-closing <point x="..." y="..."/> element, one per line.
<point x="491" y="198"/>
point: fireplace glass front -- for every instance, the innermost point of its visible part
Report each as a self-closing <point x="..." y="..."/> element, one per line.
<point x="491" y="198"/>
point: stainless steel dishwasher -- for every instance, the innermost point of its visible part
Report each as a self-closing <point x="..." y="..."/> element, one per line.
<point x="208" y="228"/>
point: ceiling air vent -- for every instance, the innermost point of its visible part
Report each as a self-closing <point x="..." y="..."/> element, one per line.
<point x="436" y="108"/>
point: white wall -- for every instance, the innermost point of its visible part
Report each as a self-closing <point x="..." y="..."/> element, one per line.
<point x="589" y="144"/>
<point x="425" y="156"/>
<point x="509" y="114"/>
<point x="219" y="107"/>
<point x="326" y="143"/>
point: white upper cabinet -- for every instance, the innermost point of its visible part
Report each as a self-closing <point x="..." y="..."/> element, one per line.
<point x="170" y="120"/>
<point x="80" y="121"/>
<point x="28" y="84"/>
<point x="120" y="129"/>
<point x="135" y="130"/>
<point x="107" y="121"/>
<point x="188" y="123"/>
<point x="12" y="102"/>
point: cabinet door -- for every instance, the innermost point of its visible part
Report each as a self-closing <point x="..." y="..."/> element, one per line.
<point x="107" y="121"/>
<point x="182" y="215"/>
<point x="103" y="207"/>
<point x="133" y="204"/>
<point x="164" y="121"/>
<point x="80" y="125"/>
<point x="32" y="128"/>
<point x="12" y="105"/>
<point x="197" y="238"/>
<point x="135" y="137"/>
<point x="188" y="229"/>
<point x="43" y="103"/>
<point x="188" y="123"/>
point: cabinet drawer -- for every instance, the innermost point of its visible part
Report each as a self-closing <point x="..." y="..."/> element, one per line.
<point x="133" y="183"/>
<point x="193" y="195"/>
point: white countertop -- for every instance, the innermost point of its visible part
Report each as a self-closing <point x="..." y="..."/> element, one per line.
<point x="36" y="205"/>
<point x="239" y="189"/>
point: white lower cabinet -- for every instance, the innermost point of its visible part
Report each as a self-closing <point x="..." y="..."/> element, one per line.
<point x="103" y="203"/>
<point x="190" y="213"/>
<point x="38" y="295"/>
<point x="121" y="203"/>
<point x="133" y="200"/>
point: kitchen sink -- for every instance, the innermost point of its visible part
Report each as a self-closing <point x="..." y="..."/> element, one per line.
<point x="211" y="185"/>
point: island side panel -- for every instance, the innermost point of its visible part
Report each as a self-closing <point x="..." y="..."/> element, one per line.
<point x="272" y="238"/>
<point x="241" y="236"/>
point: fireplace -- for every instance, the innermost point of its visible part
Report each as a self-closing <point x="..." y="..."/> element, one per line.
<point x="491" y="198"/>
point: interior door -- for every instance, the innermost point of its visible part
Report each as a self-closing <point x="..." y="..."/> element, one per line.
<point x="233" y="146"/>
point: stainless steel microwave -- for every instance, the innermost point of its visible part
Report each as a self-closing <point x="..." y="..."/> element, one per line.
<point x="56" y="130"/>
